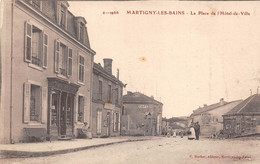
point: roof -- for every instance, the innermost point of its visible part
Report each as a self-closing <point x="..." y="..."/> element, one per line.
<point x="251" y="105"/>
<point x="98" y="69"/>
<point x="138" y="97"/>
<point x="211" y="107"/>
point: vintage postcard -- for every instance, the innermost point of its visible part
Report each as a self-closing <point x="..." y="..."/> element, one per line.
<point x="129" y="82"/>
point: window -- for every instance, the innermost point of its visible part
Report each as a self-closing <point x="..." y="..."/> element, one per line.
<point x="123" y="111"/>
<point x="63" y="16"/>
<point x="109" y="93"/>
<point x="35" y="103"/>
<point x="81" y="68"/>
<point x="116" y="122"/>
<point x="80" y="109"/>
<point x="99" y="121"/>
<point x="116" y="95"/>
<point x="36" y="4"/>
<point x="81" y="32"/>
<point x="100" y="90"/>
<point x="63" y="59"/>
<point x="45" y="50"/>
<point x="36" y="45"/>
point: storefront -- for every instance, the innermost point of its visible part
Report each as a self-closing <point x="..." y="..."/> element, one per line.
<point x="61" y="105"/>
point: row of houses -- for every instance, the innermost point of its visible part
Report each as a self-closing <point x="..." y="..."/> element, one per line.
<point x="229" y="119"/>
<point x="50" y="85"/>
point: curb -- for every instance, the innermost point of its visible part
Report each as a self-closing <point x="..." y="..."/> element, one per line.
<point x="5" y="154"/>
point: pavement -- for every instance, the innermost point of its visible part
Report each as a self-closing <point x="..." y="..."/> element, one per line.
<point x="25" y="150"/>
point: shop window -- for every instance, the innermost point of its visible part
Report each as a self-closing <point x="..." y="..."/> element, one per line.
<point x="99" y="121"/>
<point x="81" y="68"/>
<point x="36" y="45"/>
<point x="80" y="109"/>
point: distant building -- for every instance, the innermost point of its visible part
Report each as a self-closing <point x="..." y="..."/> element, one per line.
<point x="46" y="71"/>
<point x="210" y="116"/>
<point x="244" y="119"/>
<point x="141" y="115"/>
<point x="107" y="101"/>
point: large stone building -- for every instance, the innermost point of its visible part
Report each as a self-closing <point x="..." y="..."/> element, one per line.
<point x="46" y="71"/>
<point x="107" y="101"/>
<point x="141" y="115"/>
<point x="244" y="119"/>
<point x="210" y="116"/>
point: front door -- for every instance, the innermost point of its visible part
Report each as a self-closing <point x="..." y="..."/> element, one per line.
<point x="63" y="114"/>
<point x="108" y="124"/>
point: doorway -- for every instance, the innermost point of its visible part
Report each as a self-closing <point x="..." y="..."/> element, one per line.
<point x="108" y="124"/>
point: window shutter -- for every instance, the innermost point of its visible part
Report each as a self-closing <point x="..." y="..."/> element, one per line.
<point x="26" y="102"/>
<point x="65" y="62"/>
<point x="69" y="63"/>
<point x="28" y="42"/>
<point x="44" y="104"/>
<point x="56" y="55"/>
<point x="45" y="50"/>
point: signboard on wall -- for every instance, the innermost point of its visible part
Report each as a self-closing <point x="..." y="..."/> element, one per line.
<point x="109" y="106"/>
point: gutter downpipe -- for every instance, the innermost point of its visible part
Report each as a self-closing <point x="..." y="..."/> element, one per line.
<point x="11" y="78"/>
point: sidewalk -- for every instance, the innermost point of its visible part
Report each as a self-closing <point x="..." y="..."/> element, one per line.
<point x="22" y="150"/>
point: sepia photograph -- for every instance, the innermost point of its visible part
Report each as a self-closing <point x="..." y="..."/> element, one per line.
<point x="109" y="82"/>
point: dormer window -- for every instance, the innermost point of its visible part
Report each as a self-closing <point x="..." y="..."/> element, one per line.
<point x="63" y="16"/>
<point x="81" y="29"/>
<point x="61" y="13"/>
<point x="81" y="32"/>
<point x="37" y="4"/>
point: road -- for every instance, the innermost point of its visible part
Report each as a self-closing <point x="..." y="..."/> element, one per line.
<point x="160" y="150"/>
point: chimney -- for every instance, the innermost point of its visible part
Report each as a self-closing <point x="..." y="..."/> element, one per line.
<point x="108" y="65"/>
<point x="117" y="74"/>
<point x="152" y="97"/>
<point x="221" y="101"/>
<point x="205" y="105"/>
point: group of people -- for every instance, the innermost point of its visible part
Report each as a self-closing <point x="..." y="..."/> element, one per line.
<point x="194" y="131"/>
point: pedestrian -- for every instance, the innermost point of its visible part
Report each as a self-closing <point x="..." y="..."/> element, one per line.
<point x="197" y="130"/>
<point x="192" y="135"/>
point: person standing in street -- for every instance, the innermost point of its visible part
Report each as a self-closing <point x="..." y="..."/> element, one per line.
<point x="197" y="130"/>
<point x="192" y="134"/>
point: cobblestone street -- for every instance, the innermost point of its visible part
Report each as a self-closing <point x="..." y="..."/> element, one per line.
<point x="160" y="150"/>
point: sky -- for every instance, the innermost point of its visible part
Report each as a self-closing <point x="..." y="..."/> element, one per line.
<point x="184" y="61"/>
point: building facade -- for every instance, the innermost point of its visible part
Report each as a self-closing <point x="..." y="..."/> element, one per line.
<point x="46" y="63"/>
<point x="141" y="115"/>
<point x="210" y="116"/>
<point x="244" y="119"/>
<point x="106" y="101"/>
